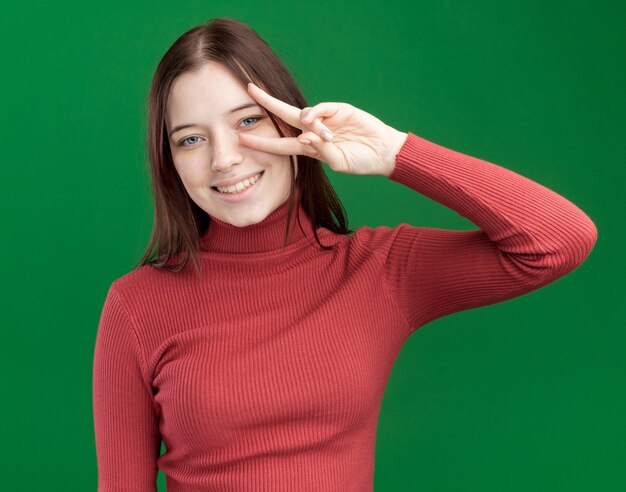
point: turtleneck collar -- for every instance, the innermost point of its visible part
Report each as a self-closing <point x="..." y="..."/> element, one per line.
<point x="265" y="236"/>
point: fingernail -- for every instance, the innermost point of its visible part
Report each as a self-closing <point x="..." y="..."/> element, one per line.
<point x="305" y="141"/>
<point x="327" y="135"/>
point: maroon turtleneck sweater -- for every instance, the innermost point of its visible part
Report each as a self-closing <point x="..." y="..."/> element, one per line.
<point x="267" y="373"/>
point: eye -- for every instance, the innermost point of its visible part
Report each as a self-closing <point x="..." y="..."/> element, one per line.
<point x="182" y="143"/>
<point x="256" y="118"/>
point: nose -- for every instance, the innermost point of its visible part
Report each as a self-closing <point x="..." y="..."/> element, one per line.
<point x="226" y="151"/>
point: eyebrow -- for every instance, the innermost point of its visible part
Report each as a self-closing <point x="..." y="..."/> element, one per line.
<point x="234" y="110"/>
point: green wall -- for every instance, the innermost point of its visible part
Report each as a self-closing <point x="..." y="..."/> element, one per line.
<point x="525" y="395"/>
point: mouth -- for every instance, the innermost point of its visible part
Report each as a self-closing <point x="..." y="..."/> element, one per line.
<point x="239" y="195"/>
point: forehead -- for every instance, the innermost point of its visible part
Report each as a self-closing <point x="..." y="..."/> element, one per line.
<point x="208" y="91"/>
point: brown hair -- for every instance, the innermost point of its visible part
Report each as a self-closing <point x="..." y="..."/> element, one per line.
<point x="178" y="221"/>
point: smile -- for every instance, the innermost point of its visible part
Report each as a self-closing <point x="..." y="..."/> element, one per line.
<point x="240" y="193"/>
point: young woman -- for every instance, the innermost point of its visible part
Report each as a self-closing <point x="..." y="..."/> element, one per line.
<point x="263" y="367"/>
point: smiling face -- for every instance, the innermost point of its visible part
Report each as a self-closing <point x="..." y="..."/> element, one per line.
<point x="207" y="153"/>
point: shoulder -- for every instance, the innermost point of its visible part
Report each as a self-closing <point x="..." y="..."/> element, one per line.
<point x="378" y="238"/>
<point x="373" y="243"/>
<point x="134" y="278"/>
<point x="143" y="281"/>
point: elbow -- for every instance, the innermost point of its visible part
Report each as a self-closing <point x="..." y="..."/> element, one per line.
<point x="539" y="269"/>
<point x="581" y="242"/>
<point x="573" y="251"/>
<point x="589" y="238"/>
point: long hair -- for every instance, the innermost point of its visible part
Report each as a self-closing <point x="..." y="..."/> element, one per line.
<point x="178" y="221"/>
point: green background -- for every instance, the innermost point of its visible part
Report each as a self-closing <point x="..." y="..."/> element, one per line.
<point x="524" y="395"/>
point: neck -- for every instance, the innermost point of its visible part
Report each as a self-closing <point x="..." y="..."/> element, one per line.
<point x="265" y="236"/>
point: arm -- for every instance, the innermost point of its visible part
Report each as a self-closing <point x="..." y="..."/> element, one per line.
<point x="529" y="236"/>
<point x="125" y="422"/>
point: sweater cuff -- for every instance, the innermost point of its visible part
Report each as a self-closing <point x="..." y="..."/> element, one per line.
<point x="415" y="149"/>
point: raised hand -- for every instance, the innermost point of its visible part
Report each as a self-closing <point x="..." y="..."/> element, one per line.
<point x="357" y="142"/>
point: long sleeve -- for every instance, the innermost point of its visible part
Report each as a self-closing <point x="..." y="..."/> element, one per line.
<point x="125" y="421"/>
<point x="529" y="235"/>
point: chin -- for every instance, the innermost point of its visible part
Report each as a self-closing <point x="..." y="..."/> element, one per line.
<point x="244" y="221"/>
<point x="256" y="213"/>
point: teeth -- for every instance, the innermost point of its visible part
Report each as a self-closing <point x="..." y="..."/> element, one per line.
<point x="237" y="187"/>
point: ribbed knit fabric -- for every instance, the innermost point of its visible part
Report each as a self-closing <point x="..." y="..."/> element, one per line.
<point x="267" y="373"/>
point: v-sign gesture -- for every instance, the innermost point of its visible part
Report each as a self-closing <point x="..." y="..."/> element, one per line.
<point x="356" y="143"/>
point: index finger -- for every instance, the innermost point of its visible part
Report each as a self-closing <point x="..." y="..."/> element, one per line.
<point x="273" y="145"/>
<point x="286" y="112"/>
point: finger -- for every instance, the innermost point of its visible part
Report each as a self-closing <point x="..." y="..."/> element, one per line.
<point x="273" y="145"/>
<point x="310" y="142"/>
<point x="321" y="110"/>
<point x="310" y="138"/>
<point x="316" y="147"/>
<point x="312" y="117"/>
<point x="321" y="129"/>
<point x="286" y="112"/>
